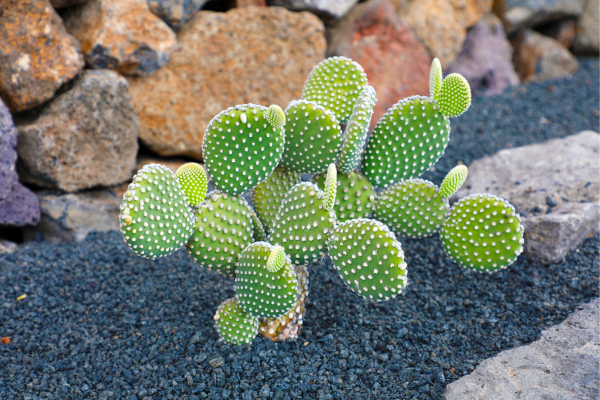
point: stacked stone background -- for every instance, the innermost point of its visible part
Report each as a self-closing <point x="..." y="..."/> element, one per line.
<point x="83" y="82"/>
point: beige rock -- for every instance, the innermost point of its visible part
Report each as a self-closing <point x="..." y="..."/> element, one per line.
<point x="38" y="55"/>
<point x="587" y="39"/>
<point x="121" y="34"/>
<point x="520" y="14"/>
<point x="441" y="25"/>
<point x="8" y="246"/>
<point x="257" y="55"/>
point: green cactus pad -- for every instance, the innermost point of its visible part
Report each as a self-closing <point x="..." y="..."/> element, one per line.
<point x="354" y="198"/>
<point x="454" y="96"/>
<point x="269" y="195"/>
<point x="224" y="228"/>
<point x="260" y="292"/>
<point x="412" y="208"/>
<point x="259" y="233"/>
<point x="155" y="218"/>
<point x="235" y="326"/>
<point x="302" y="224"/>
<point x="275" y="116"/>
<point x="369" y="259"/>
<point x="356" y="132"/>
<point x="313" y="137"/>
<point x="483" y="232"/>
<point x="435" y="78"/>
<point x="330" y="188"/>
<point x="409" y="138"/>
<point x="453" y="181"/>
<point x="193" y="181"/>
<point x="241" y="148"/>
<point x="335" y="83"/>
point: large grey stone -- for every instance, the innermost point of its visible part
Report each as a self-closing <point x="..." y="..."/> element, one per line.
<point x="8" y="152"/>
<point x="83" y="138"/>
<point x="20" y="208"/>
<point x="519" y="14"/>
<point x="554" y="185"/>
<point x="326" y="9"/>
<point x="564" y="364"/>
<point x="587" y="39"/>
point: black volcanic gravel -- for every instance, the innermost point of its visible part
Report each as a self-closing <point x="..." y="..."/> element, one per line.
<point x="99" y="322"/>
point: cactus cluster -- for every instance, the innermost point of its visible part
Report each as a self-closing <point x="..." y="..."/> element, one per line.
<point x="363" y="192"/>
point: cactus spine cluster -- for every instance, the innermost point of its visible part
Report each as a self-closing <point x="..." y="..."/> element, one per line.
<point x="267" y="246"/>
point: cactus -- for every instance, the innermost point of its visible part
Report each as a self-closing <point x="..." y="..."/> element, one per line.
<point x="265" y="282"/>
<point x="483" y="232"/>
<point x="356" y="132"/>
<point x="313" y="137"/>
<point x="235" y="326"/>
<point x="335" y="83"/>
<point x="268" y="195"/>
<point x="355" y="195"/>
<point x="454" y="95"/>
<point x="223" y="229"/>
<point x="155" y="219"/>
<point x="193" y="181"/>
<point x="435" y="78"/>
<point x="453" y="181"/>
<point x="242" y="148"/>
<point x="369" y="259"/>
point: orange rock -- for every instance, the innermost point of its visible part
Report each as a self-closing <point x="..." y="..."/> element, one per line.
<point x="38" y="55"/>
<point x="257" y="55"/>
<point x="396" y="64"/>
<point x="5" y="340"/>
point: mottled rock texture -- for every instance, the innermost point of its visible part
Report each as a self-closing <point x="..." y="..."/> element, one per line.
<point x="587" y="39"/>
<point x="175" y="12"/>
<point x="85" y="137"/>
<point x="326" y="9"/>
<point x="121" y="34"/>
<point x="257" y="55"/>
<point x="65" y="3"/>
<point x="37" y="53"/>
<point x="8" y="152"/>
<point x="519" y="14"/>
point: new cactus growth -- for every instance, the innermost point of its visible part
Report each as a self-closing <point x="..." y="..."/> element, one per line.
<point x="454" y="96"/>
<point x="193" y="181"/>
<point x="269" y="195"/>
<point x="453" y="181"/>
<point x="235" y="326"/>
<point x="435" y="78"/>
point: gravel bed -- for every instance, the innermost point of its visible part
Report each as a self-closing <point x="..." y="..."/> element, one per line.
<point x="100" y="323"/>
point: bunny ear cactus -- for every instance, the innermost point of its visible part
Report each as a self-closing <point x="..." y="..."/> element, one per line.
<point x="235" y="326"/>
<point x="269" y="195"/>
<point x="193" y="181"/>
<point x="242" y="146"/>
<point x="155" y="219"/>
<point x="435" y="78"/>
<point x="453" y="181"/>
<point x="483" y="232"/>
<point x="454" y="95"/>
<point x="369" y="259"/>
<point x="335" y="83"/>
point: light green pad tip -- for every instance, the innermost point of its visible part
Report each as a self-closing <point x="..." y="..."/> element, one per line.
<point x="454" y="96"/>
<point x="155" y="219"/>
<point x="369" y="259"/>
<point x="235" y="326"/>
<point x="435" y="78"/>
<point x="193" y="181"/>
<point x="335" y="83"/>
<point x="453" y="181"/>
<point x="483" y="233"/>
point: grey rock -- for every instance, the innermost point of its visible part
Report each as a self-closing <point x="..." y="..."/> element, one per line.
<point x="65" y="3"/>
<point x="326" y="9"/>
<point x="8" y="152"/>
<point x="563" y="364"/>
<point x="20" y="208"/>
<point x="72" y="216"/>
<point x="519" y="14"/>
<point x="587" y="38"/>
<point x="83" y="138"/>
<point x="486" y="58"/>
<point x="8" y="247"/>
<point x="175" y="12"/>
<point x="566" y="170"/>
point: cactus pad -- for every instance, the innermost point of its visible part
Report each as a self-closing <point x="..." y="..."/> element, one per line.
<point x="356" y="132"/>
<point x="259" y="233"/>
<point x="335" y="83"/>
<point x="224" y="228"/>
<point x="241" y="148"/>
<point x="269" y="195"/>
<point x="302" y="224"/>
<point x="354" y="198"/>
<point x="313" y="137"/>
<point x="453" y="181"/>
<point x="435" y="78"/>
<point x="454" y="96"/>
<point x="483" y="232"/>
<point x="275" y="116"/>
<point x="412" y="208"/>
<point x="330" y="188"/>
<point x="193" y="181"/>
<point x="409" y="138"/>
<point x="155" y="219"/>
<point x="235" y="326"/>
<point x="369" y="259"/>
<point x="260" y="292"/>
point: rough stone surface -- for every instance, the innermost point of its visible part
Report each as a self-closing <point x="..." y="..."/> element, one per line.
<point x="563" y="364"/>
<point x="8" y="246"/>
<point x="121" y="34"/>
<point x="519" y="14"/>
<point x="326" y="9"/>
<point x="175" y="12"/>
<point x="8" y="152"/>
<point x="553" y="185"/>
<point x="441" y="25"/>
<point x="246" y="55"/>
<point x="562" y="31"/>
<point x="587" y="39"/>
<point x="537" y="57"/>
<point x="85" y="137"/>
<point x="38" y="55"/>
<point x="65" y="3"/>
<point x="396" y="64"/>
<point x="19" y="208"/>
<point x="70" y="217"/>
<point x="250" y="3"/>
<point x="486" y="58"/>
